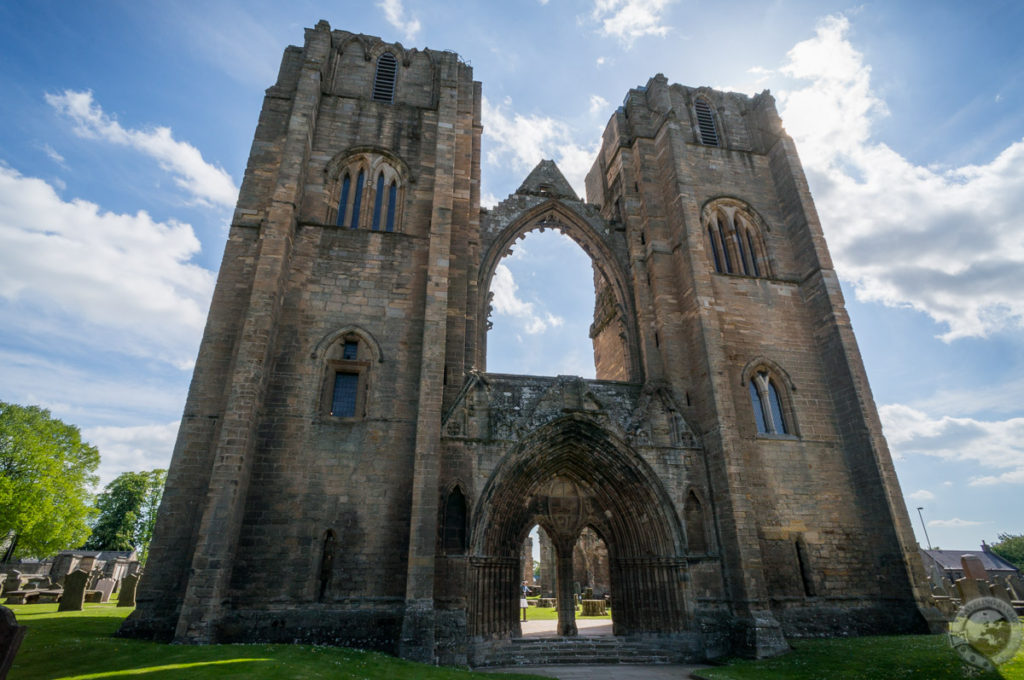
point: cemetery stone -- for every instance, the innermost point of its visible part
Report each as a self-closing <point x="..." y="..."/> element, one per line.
<point x="127" y="596"/>
<point x="594" y="608"/>
<point x="1002" y="593"/>
<point x="11" y="635"/>
<point x="74" y="591"/>
<point x="973" y="568"/>
<point x="1016" y="586"/>
<point x="105" y="586"/>
<point x="971" y="589"/>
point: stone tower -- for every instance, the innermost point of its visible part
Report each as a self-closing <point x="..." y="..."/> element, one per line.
<point x="348" y="472"/>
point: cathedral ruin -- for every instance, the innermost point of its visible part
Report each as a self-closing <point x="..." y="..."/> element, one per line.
<point x="348" y="472"/>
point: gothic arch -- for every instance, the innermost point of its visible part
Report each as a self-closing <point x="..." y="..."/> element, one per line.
<point x="748" y="256"/>
<point x="330" y="338"/>
<point x="774" y="374"/>
<point x="554" y="215"/>
<point x="619" y="496"/>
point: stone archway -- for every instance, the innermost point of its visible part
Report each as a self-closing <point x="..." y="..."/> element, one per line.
<point x="569" y="474"/>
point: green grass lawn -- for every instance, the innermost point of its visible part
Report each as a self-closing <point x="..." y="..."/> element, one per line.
<point x="550" y="614"/>
<point x="902" y="657"/>
<point x="79" y="646"/>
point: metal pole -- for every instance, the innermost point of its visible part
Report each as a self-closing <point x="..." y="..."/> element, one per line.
<point x="927" y="540"/>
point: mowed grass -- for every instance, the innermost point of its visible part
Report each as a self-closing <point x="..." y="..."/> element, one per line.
<point x="80" y="646"/>
<point x="899" y="657"/>
<point x="551" y="614"/>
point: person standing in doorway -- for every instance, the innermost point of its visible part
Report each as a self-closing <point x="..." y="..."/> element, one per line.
<point x="522" y="600"/>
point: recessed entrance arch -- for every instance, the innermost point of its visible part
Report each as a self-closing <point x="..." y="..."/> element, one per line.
<point x="570" y="474"/>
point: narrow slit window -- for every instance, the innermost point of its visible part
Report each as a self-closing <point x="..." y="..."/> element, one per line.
<point x="378" y="202"/>
<point x="706" y="123"/>
<point x="358" y="200"/>
<point x="346" y="185"/>
<point x="714" y="249"/>
<point x="384" y="79"/>
<point x="392" y="201"/>
<point x="455" y="523"/>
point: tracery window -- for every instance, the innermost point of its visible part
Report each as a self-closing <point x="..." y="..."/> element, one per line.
<point x="706" y="122"/>
<point x="735" y="240"/>
<point x="767" y="403"/>
<point x="384" y="78"/>
<point x="373" y="180"/>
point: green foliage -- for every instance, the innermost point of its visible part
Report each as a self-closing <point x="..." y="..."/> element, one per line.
<point x="1011" y="548"/>
<point x="46" y="471"/>
<point x="127" y="511"/>
<point x="81" y="646"/>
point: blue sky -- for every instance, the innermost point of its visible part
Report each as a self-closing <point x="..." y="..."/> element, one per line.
<point x="127" y="126"/>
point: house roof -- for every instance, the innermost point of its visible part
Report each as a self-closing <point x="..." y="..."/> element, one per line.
<point x="950" y="559"/>
<point x="102" y="555"/>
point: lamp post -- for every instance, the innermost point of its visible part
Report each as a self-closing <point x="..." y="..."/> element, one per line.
<point x="919" y="514"/>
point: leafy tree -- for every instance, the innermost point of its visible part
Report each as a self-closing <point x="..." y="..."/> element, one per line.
<point x="1011" y="548"/>
<point x="127" y="511"/>
<point x="46" y="471"/>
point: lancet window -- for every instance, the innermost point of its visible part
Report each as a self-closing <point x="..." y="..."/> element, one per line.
<point x="735" y="240"/>
<point x="370" y="192"/>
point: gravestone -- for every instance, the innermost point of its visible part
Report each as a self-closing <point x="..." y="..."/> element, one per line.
<point x="1016" y="586"/>
<point x="74" y="591"/>
<point x="973" y="567"/>
<point x="106" y="587"/>
<point x="126" y="598"/>
<point x="999" y="591"/>
<point x="13" y="582"/>
<point x="546" y="602"/>
<point x="971" y="589"/>
<point x="11" y="635"/>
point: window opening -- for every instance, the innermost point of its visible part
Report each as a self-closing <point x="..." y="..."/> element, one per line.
<point x="753" y="254"/>
<point x="343" y="400"/>
<point x="755" y="399"/>
<point x="776" y="405"/>
<point x="696" y="534"/>
<point x="384" y="79"/>
<point x="343" y="203"/>
<point x="378" y="200"/>
<point x="392" y="200"/>
<point x="350" y="351"/>
<point x="742" y="251"/>
<point x="714" y="250"/>
<point x="455" y="523"/>
<point x="725" y="246"/>
<point x="706" y="123"/>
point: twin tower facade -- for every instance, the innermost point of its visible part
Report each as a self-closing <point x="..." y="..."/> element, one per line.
<point x="348" y="472"/>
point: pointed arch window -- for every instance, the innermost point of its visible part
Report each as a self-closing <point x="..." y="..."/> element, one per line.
<point x="384" y="78"/>
<point x="706" y="122"/>
<point x="378" y="202"/>
<point x="735" y="239"/>
<point x="347" y="377"/>
<point x="346" y="189"/>
<point x="370" y="179"/>
<point x="454" y="531"/>
<point x="392" y="202"/>
<point x="767" y="404"/>
<point x="696" y="530"/>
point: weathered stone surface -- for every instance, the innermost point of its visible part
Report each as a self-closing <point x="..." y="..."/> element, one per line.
<point x="129" y="584"/>
<point x="973" y="567"/>
<point x="729" y="455"/>
<point x="73" y="596"/>
<point x="106" y="587"/>
<point x="11" y="635"/>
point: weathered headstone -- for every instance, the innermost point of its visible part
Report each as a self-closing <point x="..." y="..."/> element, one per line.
<point x="13" y="582"/>
<point x="126" y="598"/>
<point x="105" y="586"/>
<point x="1001" y="592"/>
<point x="973" y="567"/>
<point x="86" y="564"/>
<point x="74" y="591"/>
<point x="971" y="589"/>
<point x="11" y="635"/>
<point x="1016" y="586"/>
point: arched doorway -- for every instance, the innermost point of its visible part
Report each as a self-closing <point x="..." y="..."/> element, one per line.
<point x="568" y="475"/>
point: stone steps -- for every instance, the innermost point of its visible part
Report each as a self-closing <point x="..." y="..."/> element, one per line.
<point x="581" y="650"/>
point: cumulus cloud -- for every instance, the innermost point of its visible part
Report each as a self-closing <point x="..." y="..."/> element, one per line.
<point x="921" y="495"/>
<point x="524" y="141"/>
<point x="207" y="184"/>
<point x="597" y="104"/>
<point x="506" y="302"/>
<point x="395" y="13"/>
<point x="628" y="20"/>
<point x="126" y="279"/>
<point x="995" y="445"/>
<point x="947" y="242"/>
<point x="132" y="449"/>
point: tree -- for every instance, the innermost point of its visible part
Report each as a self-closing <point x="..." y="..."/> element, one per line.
<point x="1011" y="548"/>
<point x="127" y="511"/>
<point x="46" y="471"/>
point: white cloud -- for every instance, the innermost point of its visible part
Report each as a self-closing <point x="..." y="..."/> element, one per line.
<point x="125" y="280"/>
<point x="526" y="140"/>
<point x="396" y="15"/>
<point x="996" y="445"/>
<point x="921" y="495"/>
<point x="208" y="184"/>
<point x="949" y="243"/>
<point x="53" y="155"/>
<point x="132" y="449"/>
<point x="505" y="302"/>
<point x="597" y="104"/>
<point x="955" y="522"/>
<point x="601" y="61"/>
<point x="628" y="20"/>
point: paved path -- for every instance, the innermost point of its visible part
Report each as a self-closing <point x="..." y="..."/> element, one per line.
<point x="616" y="671"/>
<point x="585" y="628"/>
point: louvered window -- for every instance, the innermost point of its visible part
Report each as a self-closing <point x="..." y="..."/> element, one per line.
<point x="706" y="123"/>
<point x="384" y="80"/>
